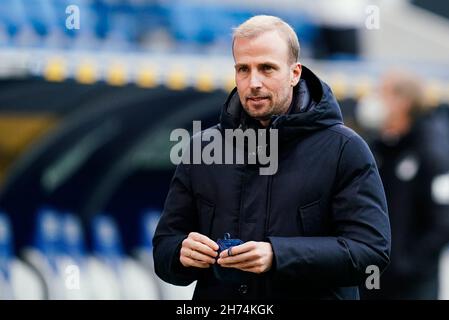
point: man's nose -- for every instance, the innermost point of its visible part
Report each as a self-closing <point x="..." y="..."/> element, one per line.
<point x="255" y="81"/>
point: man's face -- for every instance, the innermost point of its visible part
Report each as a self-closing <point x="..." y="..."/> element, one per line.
<point x="264" y="75"/>
<point x="395" y="105"/>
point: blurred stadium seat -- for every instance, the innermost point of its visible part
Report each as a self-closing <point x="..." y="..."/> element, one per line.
<point x="45" y="254"/>
<point x="12" y="17"/>
<point x="124" y="25"/>
<point x="132" y="279"/>
<point x="144" y="253"/>
<point x="17" y="279"/>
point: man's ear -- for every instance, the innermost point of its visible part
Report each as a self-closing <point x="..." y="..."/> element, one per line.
<point x="296" y="74"/>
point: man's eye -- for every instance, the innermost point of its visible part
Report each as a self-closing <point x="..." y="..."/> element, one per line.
<point x="267" y="68"/>
<point x="243" y="69"/>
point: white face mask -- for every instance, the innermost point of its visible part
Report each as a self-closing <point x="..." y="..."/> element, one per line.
<point x="371" y="113"/>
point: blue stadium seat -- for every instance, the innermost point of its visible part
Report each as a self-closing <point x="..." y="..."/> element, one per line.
<point x="148" y="225"/>
<point x="144" y="253"/>
<point x="48" y="235"/>
<point x="73" y="237"/>
<point x="132" y="280"/>
<point x="6" y="291"/>
<point x="45" y="251"/>
<point x="40" y="15"/>
<point x="106" y="240"/>
<point x="17" y="280"/>
<point x="12" y="16"/>
<point x="74" y="257"/>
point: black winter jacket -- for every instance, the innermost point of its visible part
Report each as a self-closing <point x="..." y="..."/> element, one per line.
<point x="324" y="211"/>
<point x="415" y="170"/>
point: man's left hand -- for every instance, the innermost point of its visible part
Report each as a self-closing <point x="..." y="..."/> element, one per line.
<point x="252" y="256"/>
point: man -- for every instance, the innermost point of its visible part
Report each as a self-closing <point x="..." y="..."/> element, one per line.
<point x="311" y="229"/>
<point x="413" y="156"/>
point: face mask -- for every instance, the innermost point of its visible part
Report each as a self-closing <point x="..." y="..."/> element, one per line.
<point x="371" y="113"/>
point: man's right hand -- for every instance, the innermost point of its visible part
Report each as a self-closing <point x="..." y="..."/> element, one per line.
<point x="198" y="251"/>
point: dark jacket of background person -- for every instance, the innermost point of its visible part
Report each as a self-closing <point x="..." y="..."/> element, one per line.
<point x="324" y="211"/>
<point x="413" y="169"/>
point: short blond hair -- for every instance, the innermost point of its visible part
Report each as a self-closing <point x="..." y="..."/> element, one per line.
<point x="407" y="85"/>
<point x="257" y="25"/>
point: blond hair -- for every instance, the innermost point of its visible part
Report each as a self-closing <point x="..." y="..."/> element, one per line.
<point x="407" y="85"/>
<point x="257" y="25"/>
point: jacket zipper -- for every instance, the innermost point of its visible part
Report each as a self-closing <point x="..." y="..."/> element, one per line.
<point x="273" y="125"/>
<point x="268" y="205"/>
<point x="242" y="196"/>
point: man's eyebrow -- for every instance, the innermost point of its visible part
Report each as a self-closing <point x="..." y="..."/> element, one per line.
<point x="237" y="65"/>
<point x="266" y="63"/>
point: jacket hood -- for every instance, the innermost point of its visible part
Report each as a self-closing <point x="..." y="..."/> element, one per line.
<point x="313" y="107"/>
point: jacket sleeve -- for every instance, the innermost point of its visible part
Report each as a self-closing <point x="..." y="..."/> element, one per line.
<point x="361" y="229"/>
<point x="179" y="217"/>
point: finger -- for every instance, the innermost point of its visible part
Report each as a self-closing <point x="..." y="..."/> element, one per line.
<point x="201" y="247"/>
<point x="255" y="269"/>
<point x="196" y="255"/>
<point x="237" y="258"/>
<point x="203" y="239"/>
<point x="242" y="248"/>
<point x="189" y="262"/>
<point x="242" y="265"/>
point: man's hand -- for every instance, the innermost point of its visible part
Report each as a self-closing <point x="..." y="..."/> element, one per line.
<point x="252" y="256"/>
<point x="198" y="251"/>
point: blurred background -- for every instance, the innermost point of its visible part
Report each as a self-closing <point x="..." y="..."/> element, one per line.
<point x="91" y="89"/>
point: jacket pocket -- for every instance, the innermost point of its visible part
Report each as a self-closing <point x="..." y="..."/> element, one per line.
<point x="310" y="219"/>
<point x="206" y="216"/>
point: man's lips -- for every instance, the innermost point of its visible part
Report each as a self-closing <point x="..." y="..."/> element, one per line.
<point x="257" y="98"/>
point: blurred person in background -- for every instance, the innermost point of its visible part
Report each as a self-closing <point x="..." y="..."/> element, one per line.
<point x="311" y="229"/>
<point x="412" y="152"/>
